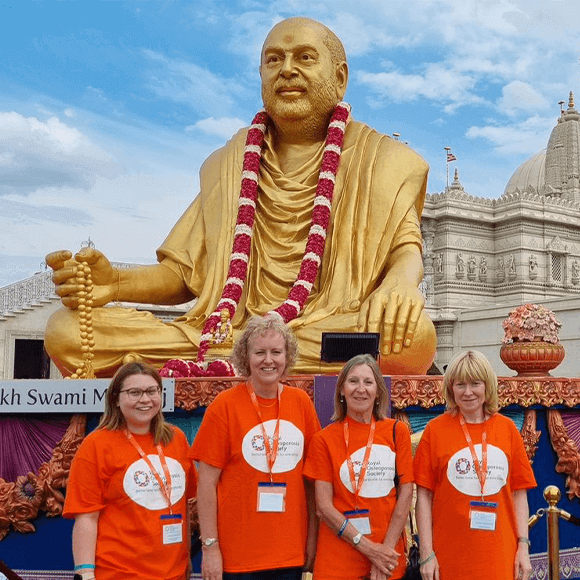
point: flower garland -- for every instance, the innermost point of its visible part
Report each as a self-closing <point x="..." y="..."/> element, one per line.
<point x="238" y="266"/>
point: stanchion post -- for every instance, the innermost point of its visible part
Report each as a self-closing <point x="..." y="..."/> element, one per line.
<point x="552" y="496"/>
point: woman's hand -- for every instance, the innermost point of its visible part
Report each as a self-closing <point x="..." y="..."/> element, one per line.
<point x="430" y="570"/>
<point x="211" y="563"/>
<point x="383" y="558"/>
<point x="376" y="574"/>
<point x="522" y="564"/>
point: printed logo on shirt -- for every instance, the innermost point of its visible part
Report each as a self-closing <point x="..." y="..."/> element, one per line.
<point x="142" y="486"/>
<point x="463" y="477"/>
<point x="379" y="479"/>
<point x="290" y="446"/>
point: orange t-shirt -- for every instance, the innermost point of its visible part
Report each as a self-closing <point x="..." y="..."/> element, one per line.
<point x="230" y="438"/>
<point x="108" y="475"/>
<point x="443" y="464"/>
<point x="326" y="461"/>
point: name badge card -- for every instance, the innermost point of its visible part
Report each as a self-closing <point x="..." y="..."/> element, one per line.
<point x="480" y="519"/>
<point x="271" y="497"/>
<point x="172" y="525"/>
<point x="361" y="520"/>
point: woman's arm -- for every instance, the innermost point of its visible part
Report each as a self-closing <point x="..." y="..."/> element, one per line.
<point x="84" y="542"/>
<point x="384" y="558"/>
<point x="522" y="564"/>
<point x="211" y="564"/>
<point x="312" y="525"/>
<point x="424" y="517"/>
<point x="399" y="515"/>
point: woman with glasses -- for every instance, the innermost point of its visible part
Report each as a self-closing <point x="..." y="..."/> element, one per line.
<point x="129" y="485"/>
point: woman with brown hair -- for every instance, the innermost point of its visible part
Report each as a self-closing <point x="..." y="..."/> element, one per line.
<point x="129" y="485"/>
<point x="356" y="463"/>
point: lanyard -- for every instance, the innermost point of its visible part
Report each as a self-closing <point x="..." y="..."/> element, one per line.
<point x="357" y="485"/>
<point x="271" y="452"/>
<point x="165" y="487"/>
<point x="481" y="470"/>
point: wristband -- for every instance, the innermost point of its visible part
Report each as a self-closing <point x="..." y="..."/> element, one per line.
<point x="342" y="528"/>
<point x="525" y="541"/>
<point x="427" y="559"/>
<point x="84" y="567"/>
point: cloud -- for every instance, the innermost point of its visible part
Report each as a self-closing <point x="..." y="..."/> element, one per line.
<point x="223" y="127"/>
<point x="438" y="83"/>
<point x="185" y="82"/>
<point x="518" y="97"/>
<point x="527" y="137"/>
<point x="35" y="153"/>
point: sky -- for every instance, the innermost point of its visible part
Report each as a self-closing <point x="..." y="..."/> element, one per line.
<point x="108" y="108"/>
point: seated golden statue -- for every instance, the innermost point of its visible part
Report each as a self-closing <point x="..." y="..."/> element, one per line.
<point x="369" y="263"/>
<point x="223" y="333"/>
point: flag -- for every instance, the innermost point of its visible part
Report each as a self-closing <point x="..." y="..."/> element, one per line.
<point x="450" y="157"/>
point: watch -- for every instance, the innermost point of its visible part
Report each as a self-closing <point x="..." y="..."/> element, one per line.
<point x="209" y="542"/>
<point x="356" y="540"/>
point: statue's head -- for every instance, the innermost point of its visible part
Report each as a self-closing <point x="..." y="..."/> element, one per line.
<point x="303" y="69"/>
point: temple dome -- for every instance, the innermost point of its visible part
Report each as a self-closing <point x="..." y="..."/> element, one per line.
<point x="554" y="171"/>
<point x="530" y="173"/>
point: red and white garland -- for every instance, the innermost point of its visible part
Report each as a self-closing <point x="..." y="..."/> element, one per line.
<point x="238" y="266"/>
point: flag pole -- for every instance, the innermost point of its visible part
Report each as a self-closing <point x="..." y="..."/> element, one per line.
<point x="447" y="149"/>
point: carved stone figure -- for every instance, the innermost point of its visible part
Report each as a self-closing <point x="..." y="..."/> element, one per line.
<point x="483" y="267"/>
<point x="438" y="263"/>
<point x="575" y="269"/>
<point x="511" y="265"/>
<point x="471" y="263"/>
<point x="459" y="266"/>
<point x="368" y="278"/>
<point x="533" y="266"/>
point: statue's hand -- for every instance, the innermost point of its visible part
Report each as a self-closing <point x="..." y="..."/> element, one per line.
<point x="65" y="270"/>
<point x="394" y="310"/>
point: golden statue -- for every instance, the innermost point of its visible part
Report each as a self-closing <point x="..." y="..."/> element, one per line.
<point x="370" y="266"/>
<point x="223" y="333"/>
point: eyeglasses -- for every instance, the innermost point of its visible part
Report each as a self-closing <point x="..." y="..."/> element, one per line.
<point x="136" y="394"/>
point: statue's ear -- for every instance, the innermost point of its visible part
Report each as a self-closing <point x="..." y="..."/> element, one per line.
<point x="341" y="79"/>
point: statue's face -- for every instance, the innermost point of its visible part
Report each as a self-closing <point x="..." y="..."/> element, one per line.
<point x="299" y="79"/>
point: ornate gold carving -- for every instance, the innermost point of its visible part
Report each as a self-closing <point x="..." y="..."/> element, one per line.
<point x="529" y="434"/>
<point x="567" y="451"/>
<point x="21" y="500"/>
<point x="412" y="391"/>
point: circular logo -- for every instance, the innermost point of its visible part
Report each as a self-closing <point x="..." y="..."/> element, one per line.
<point x="290" y="446"/>
<point x="462" y="465"/>
<point x="379" y="478"/>
<point x="258" y="443"/>
<point x="463" y="476"/>
<point x="141" y="478"/>
<point x="142" y="487"/>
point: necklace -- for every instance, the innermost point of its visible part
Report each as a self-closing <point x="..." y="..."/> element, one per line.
<point x="240" y="256"/>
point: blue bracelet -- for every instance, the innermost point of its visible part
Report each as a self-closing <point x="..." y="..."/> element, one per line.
<point x="342" y="528"/>
<point x="85" y="567"/>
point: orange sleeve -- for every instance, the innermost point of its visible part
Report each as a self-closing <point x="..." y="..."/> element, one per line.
<point x="404" y="453"/>
<point x="423" y="466"/>
<point x="211" y="444"/>
<point x="84" y="492"/>
<point x="318" y="464"/>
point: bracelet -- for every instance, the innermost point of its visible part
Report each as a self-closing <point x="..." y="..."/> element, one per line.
<point x="342" y="528"/>
<point x="427" y="559"/>
<point x="84" y="567"/>
<point x="525" y="541"/>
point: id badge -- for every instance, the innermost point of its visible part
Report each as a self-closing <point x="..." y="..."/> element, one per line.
<point x="172" y="525"/>
<point x="271" y="497"/>
<point x="361" y="520"/>
<point x="483" y="515"/>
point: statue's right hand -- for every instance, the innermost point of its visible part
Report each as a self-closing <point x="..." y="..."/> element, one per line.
<point x="65" y="268"/>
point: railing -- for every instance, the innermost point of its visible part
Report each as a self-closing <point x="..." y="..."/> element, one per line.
<point x="33" y="291"/>
<point x="552" y="495"/>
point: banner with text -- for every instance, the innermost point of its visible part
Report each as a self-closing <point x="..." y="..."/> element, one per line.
<point x="64" y="396"/>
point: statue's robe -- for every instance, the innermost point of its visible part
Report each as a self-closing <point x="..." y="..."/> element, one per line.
<point x="378" y="198"/>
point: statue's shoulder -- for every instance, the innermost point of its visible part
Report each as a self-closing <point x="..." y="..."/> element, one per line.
<point x="385" y="148"/>
<point x="234" y="147"/>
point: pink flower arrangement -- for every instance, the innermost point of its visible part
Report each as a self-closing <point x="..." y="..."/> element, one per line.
<point x="531" y="322"/>
<point x="177" y="368"/>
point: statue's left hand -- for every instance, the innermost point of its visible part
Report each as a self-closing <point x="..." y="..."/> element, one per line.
<point x="394" y="310"/>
